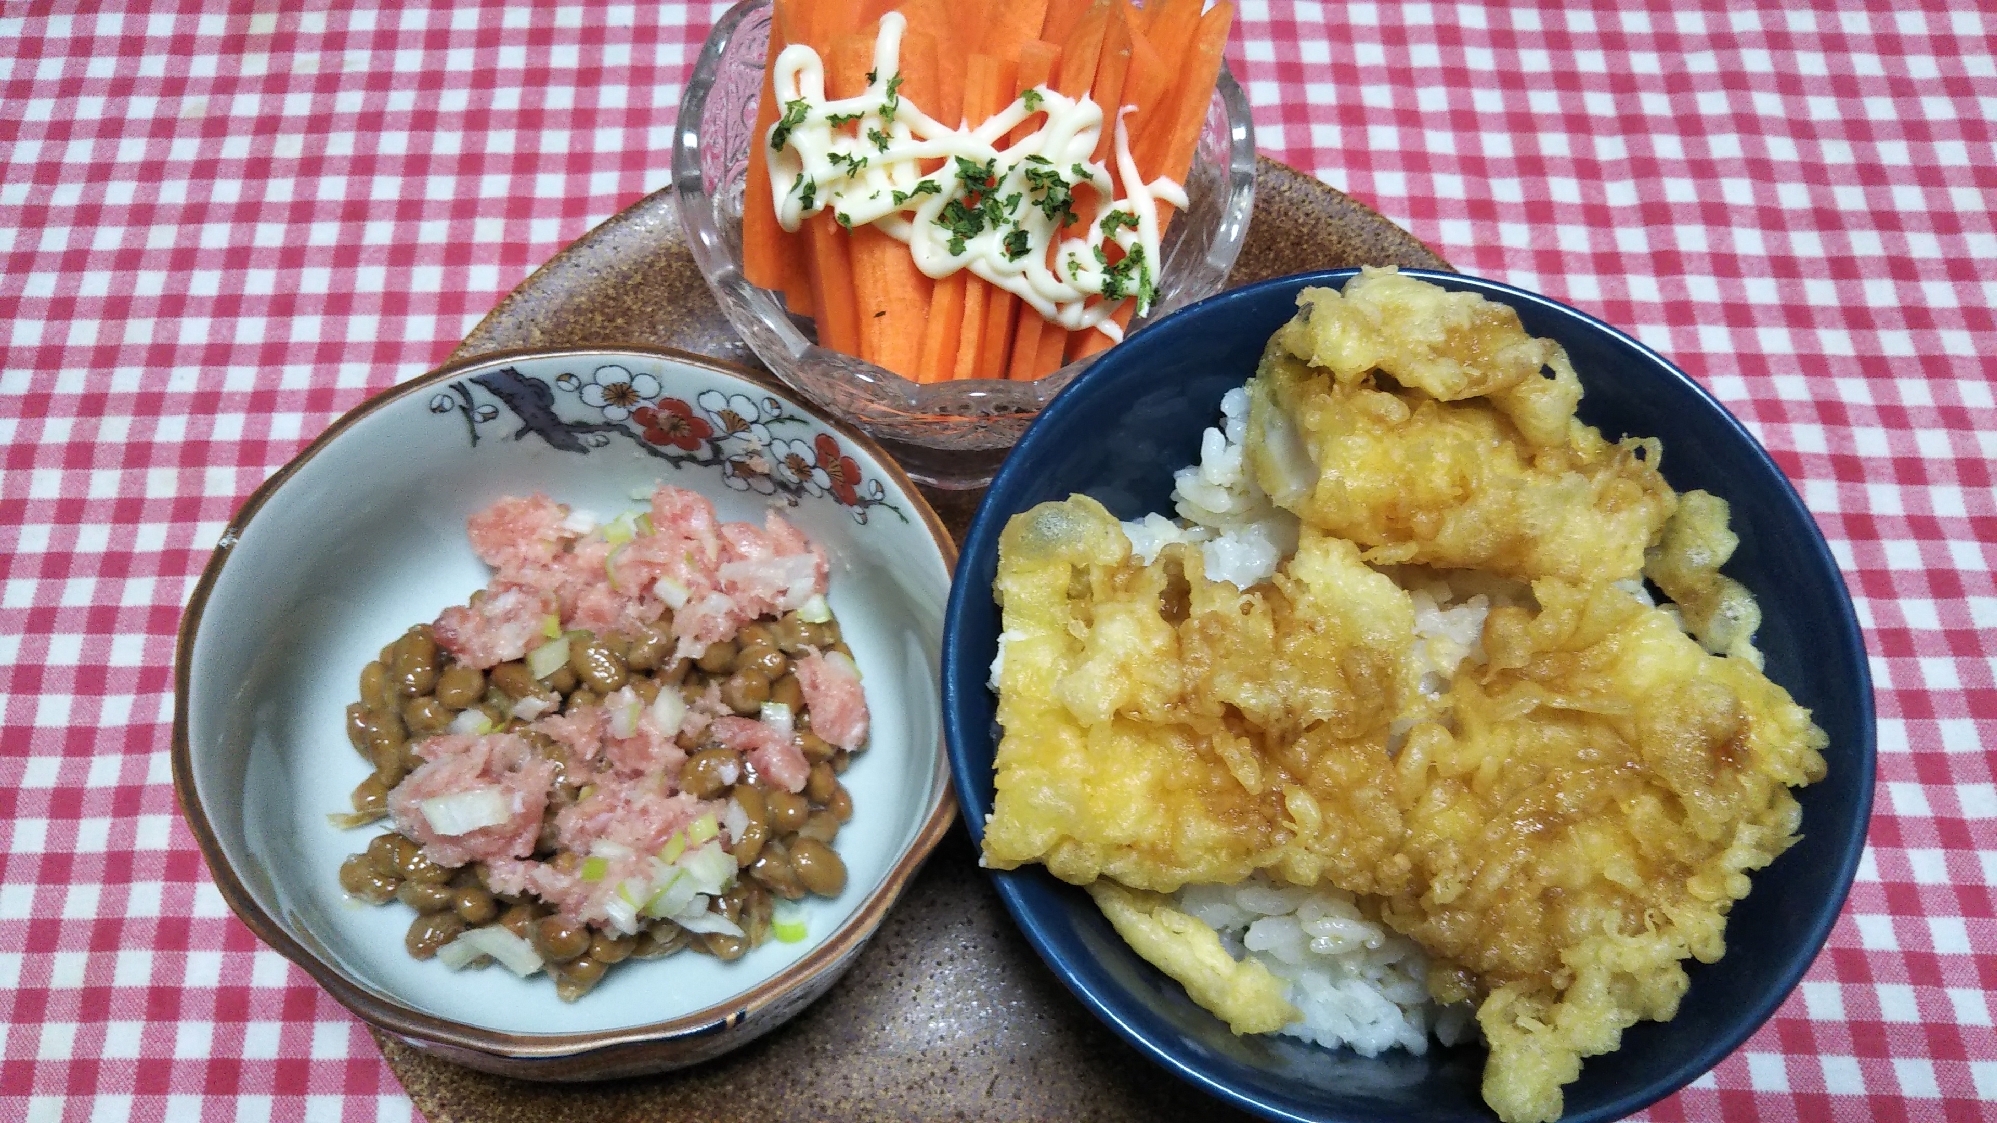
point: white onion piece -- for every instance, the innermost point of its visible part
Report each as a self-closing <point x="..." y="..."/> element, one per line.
<point x="512" y="952"/>
<point x="672" y="592"/>
<point x="734" y="820"/>
<point x="707" y="922"/>
<point x="579" y="521"/>
<point x="710" y="868"/>
<point x="815" y="610"/>
<point x="471" y="722"/>
<point x="777" y="716"/>
<point x="624" y="716"/>
<point x="548" y="658"/>
<point x="530" y="707"/>
<point x="669" y="711"/>
<point x="621" y="912"/>
<point x="841" y="659"/>
<point x="465" y="812"/>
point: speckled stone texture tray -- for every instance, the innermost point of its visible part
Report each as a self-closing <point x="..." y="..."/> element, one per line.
<point x="948" y="1014"/>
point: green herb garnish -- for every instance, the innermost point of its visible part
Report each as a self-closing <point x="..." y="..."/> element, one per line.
<point x="1115" y="220"/>
<point x="1057" y="198"/>
<point x="1032" y="99"/>
<point x="1017" y="244"/>
<point x="922" y="187"/>
<point x="963" y="223"/>
<point x="893" y="103"/>
<point x="794" y="114"/>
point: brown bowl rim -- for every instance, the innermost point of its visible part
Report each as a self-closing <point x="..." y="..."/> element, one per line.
<point x="391" y="1014"/>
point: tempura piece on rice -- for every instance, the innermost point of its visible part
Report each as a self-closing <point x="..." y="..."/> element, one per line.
<point x="1155" y="721"/>
<point x="1456" y="453"/>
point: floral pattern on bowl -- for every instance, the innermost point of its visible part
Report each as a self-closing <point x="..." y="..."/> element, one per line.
<point x="736" y="432"/>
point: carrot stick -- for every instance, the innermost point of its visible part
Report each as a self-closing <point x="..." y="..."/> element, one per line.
<point x="1037" y="60"/>
<point x="828" y="264"/>
<point x="1091" y="341"/>
<point x="1112" y="66"/>
<point x="1062" y="16"/>
<point x="943" y="325"/>
<point x="995" y="341"/>
<point x="1081" y="51"/>
<point x="938" y="360"/>
<point x="891" y="296"/>
<point x="1145" y="88"/>
<point x="763" y="252"/>
<point x="985" y="84"/>
<point x="956" y="26"/>
<point x="871" y="12"/>
<point x="1052" y="342"/>
<point x="1170" y="26"/>
<point x="1199" y="70"/>
<point x="827" y="20"/>
<point x="1011" y="26"/>
<point x="832" y="284"/>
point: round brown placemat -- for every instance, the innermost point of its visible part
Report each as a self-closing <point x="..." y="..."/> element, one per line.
<point x="948" y="1014"/>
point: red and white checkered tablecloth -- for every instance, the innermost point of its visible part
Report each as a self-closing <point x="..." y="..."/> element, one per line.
<point x="221" y="225"/>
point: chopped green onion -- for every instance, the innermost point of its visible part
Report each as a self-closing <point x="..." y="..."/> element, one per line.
<point x="551" y="626"/>
<point x="622" y="529"/>
<point x="593" y="869"/>
<point x="643" y="522"/>
<point x="814" y="610"/>
<point x="702" y="829"/>
<point x="787" y="924"/>
<point x="675" y="846"/>
<point x="610" y="565"/>
<point x="548" y="658"/>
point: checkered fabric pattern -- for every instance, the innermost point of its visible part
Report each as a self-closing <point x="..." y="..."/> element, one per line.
<point x="221" y="225"/>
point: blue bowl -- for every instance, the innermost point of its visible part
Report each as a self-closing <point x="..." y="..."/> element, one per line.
<point x="1119" y="432"/>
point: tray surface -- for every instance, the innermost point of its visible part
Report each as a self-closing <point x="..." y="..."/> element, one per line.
<point x="948" y="1013"/>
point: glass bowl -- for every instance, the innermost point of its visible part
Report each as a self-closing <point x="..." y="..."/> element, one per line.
<point x="947" y="434"/>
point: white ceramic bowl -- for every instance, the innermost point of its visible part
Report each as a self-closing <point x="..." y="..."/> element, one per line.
<point x="364" y="534"/>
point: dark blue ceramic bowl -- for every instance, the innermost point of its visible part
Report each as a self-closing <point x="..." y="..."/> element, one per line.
<point x="1119" y="432"/>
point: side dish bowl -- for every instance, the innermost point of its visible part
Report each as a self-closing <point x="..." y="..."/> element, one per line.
<point x="363" y="534"/>
<point x="1118" y="433"/>
<point x="950" y="434"/>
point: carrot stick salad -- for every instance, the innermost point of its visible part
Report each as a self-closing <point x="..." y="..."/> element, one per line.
<point x="978" y="188"/>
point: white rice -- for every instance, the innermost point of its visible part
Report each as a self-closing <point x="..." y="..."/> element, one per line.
<point x="1356" y="982"/>
<point x="1243" y="536"/>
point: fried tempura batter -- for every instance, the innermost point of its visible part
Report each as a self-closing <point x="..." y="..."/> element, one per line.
<point x="1243" y="993"/>
<point x="1455" y="451"/>
<point x="1137" y="700"/>
<point x="1560" y="828"/>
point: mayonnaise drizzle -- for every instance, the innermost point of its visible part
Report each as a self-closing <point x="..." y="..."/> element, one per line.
<point x="874" y="175"/>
